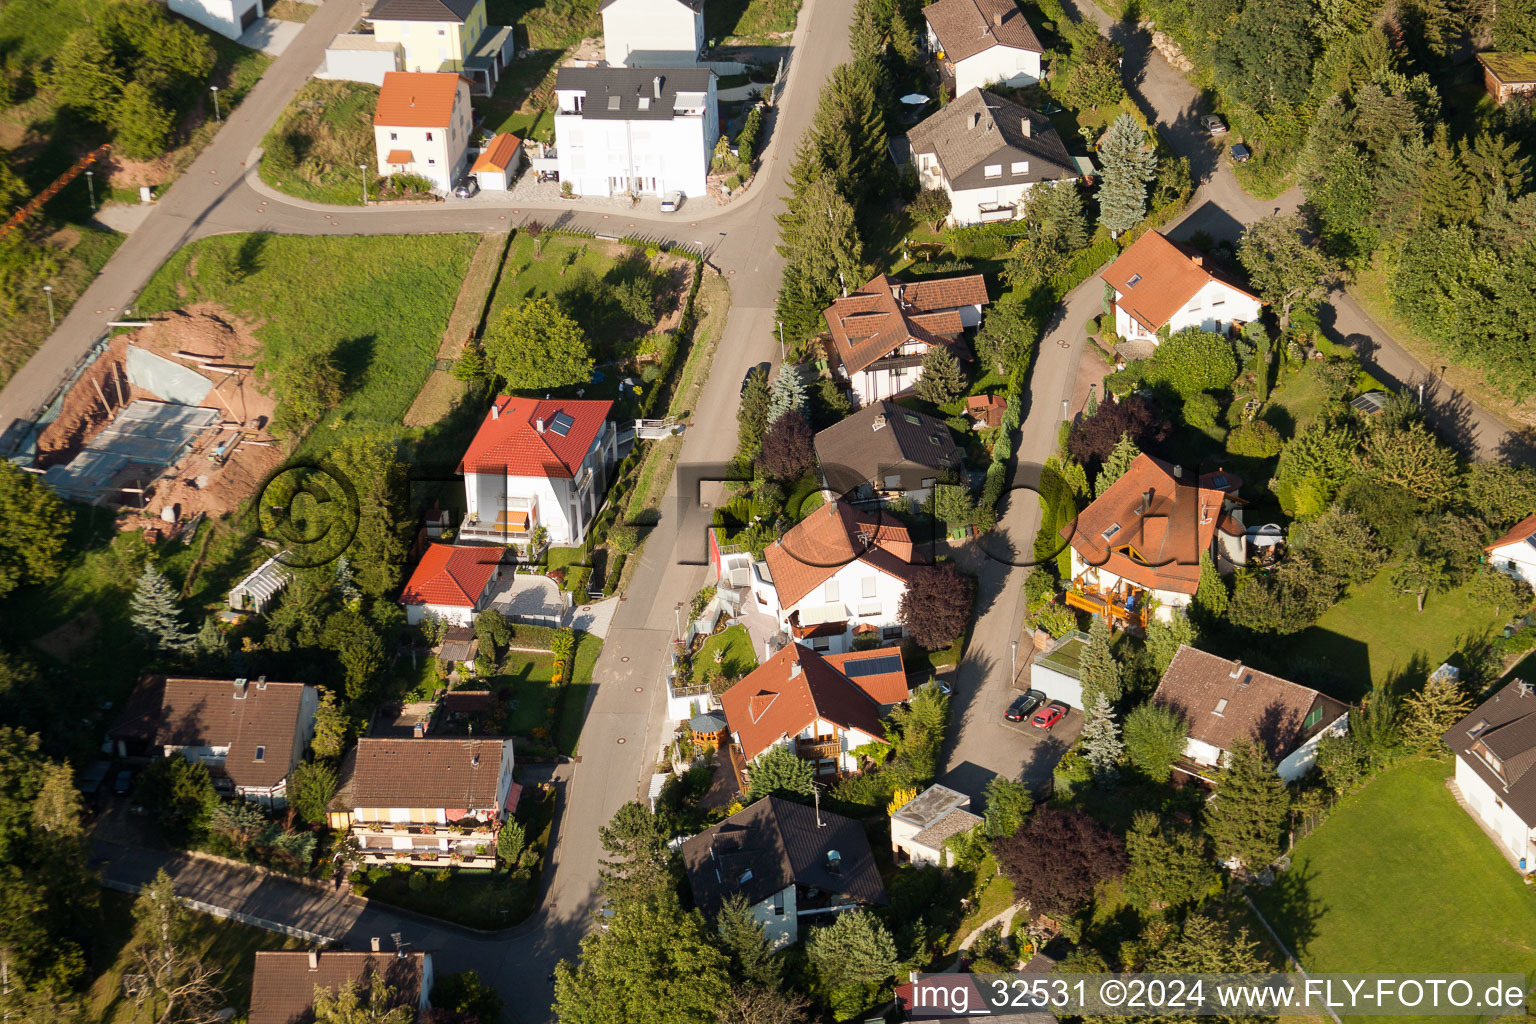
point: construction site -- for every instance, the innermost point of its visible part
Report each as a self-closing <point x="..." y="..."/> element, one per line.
<point x="165" y="421"/>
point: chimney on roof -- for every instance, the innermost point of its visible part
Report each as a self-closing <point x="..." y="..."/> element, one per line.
<point x="1146" y="502"/>
<point x="261" y="682"/>
<point x="1024" y="126"/>
<point x="538" y="424"/>
<point x="834" y="862"/>
<point x="1178" y="472"/>
<point x="374" y="943"/>
<point x="1197" y="259"/>
<point x="1237" y="669"/>
<point x="879" y="423"/>
<point x="314" y="959"/>
<point x="495" y="411"/>
<point x="997" y="19"/>
<point x="656" y="86"/>
<point x="419" y="730"/>
<point x="794" y="668"/>
<point x="240" y="688"/>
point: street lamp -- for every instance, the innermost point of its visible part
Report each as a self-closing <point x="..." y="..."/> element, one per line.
<point x="781" y="339"/>
<point x="1015" y="660"/>
<point x="48" y="291"/>
<point x="215" y="90"/>
<point x="90" y="183"/>
<point x="364" y="169"/>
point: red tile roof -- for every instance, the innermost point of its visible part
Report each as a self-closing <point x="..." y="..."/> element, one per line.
<point x="418" y="99"/>
<point x="888" y="687"/>
<point x="283" y="984"/>
<point x="828" y="539"/>
<point x="510" y="441"/>
<point x="400" y="156"/>
<point x="774" y="700"/>
<point x="884" y="315"/>
<point x="1169" y="534"/>
<point x="1168" y="276"/>
<point x="1523" y="530"/>
<point x="452" y="575"/>
<point x="499" y="155"/>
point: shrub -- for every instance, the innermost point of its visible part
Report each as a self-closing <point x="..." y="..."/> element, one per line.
<point x="1192" y="361"/>
<point x="1056" y="619"/>
<point x="1256" y="440"/>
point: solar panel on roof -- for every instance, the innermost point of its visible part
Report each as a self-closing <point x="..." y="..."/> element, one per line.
<point x="561" y="424"/>
<point x="872" y="666"/>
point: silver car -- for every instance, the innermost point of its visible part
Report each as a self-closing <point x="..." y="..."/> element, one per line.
<point x="671" y="201"/>
<point x="1213" y="124"/>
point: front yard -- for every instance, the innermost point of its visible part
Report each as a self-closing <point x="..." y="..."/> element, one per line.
<point x="1400" y="880"/>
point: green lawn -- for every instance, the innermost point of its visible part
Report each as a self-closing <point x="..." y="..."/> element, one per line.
<point x="230" y="947"/>
<point x="573" y="711"/>
<point x="1376" y="633"/>
<point x="1296" y="400"/>
<point x="378" y="304"/>
<point x="750" y="21"/>
<point x="564" y="558"/>
<point x="540" y="267"/>
<point x="1400" y="880"/>
<point x="734" y="646"/>
<point x="24" y="326"/>
<point x="548" y="25"/>
<point x="995" y="898"/>
<point x="528" y="679"/>
<point x="314" y="149"/>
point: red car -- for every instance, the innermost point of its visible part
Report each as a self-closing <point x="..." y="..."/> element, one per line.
<point x="1049" y="715"/>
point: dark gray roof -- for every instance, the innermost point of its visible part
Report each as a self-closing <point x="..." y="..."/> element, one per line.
<point x="1504" y="725"/>
<point x="629" y="86"/>
<point x="931" y="806"/>
<point x="423" y="10"/>
<point x="852" y="452"/>
<point x="981" y="128"/>
<point x="773" y="843"/>
<point x="693" y="5"/>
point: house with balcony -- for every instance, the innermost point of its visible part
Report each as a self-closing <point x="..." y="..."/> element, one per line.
<point x="986" y="153"/>
<point x="1162" y="286"/>
<point x="453" y="582"/>
<point x="1225" y="702"/>
<point x="421" y="126"/>
<point x="789" y="862"/>
<point x="819" y="708"/>
<point x="429" y="800"/>
<point x="537" y="464"/>
<point x="652" y="33"/>
<point x="978" y="43"/>
<point x="284" y="982"/>
<point x="1136" y="549"/>
<point x="446" y="35"/>
<point x="251" y="734"/>
<point x="635" y="131"/>
<point x="839" y="573"/>
<point x="1495" y="748"/>
<point x="1515" y="553"/>
<point x="880" y="333"/>
<point x="886" y="451"/>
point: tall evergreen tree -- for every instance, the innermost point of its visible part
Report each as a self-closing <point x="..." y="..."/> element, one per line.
<point x="822" y="256"/>
<point x="849" y="132"/>
<point x="378" y="478"/>
<point x="154" y="613"/>
<point x="1114" y="467"/>
<point x="752" y="415"/>
<point x="1170" y="865"/>
<point x="1101" y="741"/>
<point x="1247" y="816"/>
<point x="1126" y="165"/>
<point x="942" y="381"/>
<point x="1154" y="739"/>
<point x="743" y="938"/>
<point x="1210" y="602"/>
<point x="1101" y="670"/>
<point x="787" y="393"/>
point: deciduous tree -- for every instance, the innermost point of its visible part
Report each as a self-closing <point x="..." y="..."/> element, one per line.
<point x="378" y="478"/>
<point x="1154" y="740"/>
<point x="534" y="345"/>
<point x="36" y="529"/>
<point x="789" y="448"/>
<point x="183" y="989"/>
<point x="936" y="606"/>
<point x="354" y="1003"/>
<point x="1081" y="852"/>
<point x="1008" y="804"/>
<point x="1289" y="272"/>
<point x="310" y="788"/>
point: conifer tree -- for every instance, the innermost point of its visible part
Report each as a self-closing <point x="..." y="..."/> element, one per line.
<point x="1247" y="815"/>
<point x="154" y="613"/>
<point x="942" y="380"/>
<point x="1101" y="741"/>
<point x="1101" y="670"/>
<point x="1126" y="166"/>
<point x="1210" y="593"/>
<point x="1113" y="468"/>
<point x="786" y="394"/>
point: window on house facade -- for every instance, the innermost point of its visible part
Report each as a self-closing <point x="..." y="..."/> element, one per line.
<point x="431" y="162"/>
<point x="394" y="136"/>
<point x="1313" y="717"/>
<point x="821" y="643"/>
<point x="893" y="481"/>
<point x="1019" y="167"/>
<point x="929" y="481"/>
<point x="869" y="584"/>
<point x="891" y="633"/>
<point x="1218" y="302"/>
<point x="442" y="31"/>
<point x="992" y="171"/>
<point x="429" y="136"/>
<point x="830" y="591"/>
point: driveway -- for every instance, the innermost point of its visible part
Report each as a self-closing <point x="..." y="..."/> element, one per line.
<point x="529" y="597"/>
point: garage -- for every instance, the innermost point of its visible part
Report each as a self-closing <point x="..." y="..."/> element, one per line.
<point x="1058" y="671"/>
<point x="248" y="17"/>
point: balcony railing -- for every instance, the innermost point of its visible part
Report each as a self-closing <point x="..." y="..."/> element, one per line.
<point x="1116" y="608"/>
<point x="812" y="750"/>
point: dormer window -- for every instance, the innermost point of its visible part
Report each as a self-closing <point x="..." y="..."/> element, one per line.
<point x="1313" y="717"/>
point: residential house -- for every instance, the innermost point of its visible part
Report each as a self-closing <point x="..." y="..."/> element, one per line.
<point x="250" y="734"/>
<point x="819" y="710"/>
<point x="886" y="451"/>
<point x="537" y="463"/>
<point x="921" y="828"/>
<point x="982" y="42"/>
<point x="837" y="574"/>
<point x="425" y="800"/>
<point x="986" y="410"/>
<point x="635" y="131"/>
<point x="1137" y="547"/>
<point x="788" y="861"/>
<point x="1508" y="74"/>
<point x="1058" y="671"/>
<point x="1495" y="748"/>
<point x="1515" y="552"/>
<point x="360" y="57"/>
<point x="229" y="18"/>
<point x="881" y="332"/>
<point x="1161" y="284"/>
<point x="987" y="152"/>
<point x="284" y="982"/>
<point x="421" y="126"/>
<point x="1226" y="702"/>
<point x="453" y="583"/>
<point x="498" y="163"/>
<point x="446" y="35"/>
<point x="652" y="33"/>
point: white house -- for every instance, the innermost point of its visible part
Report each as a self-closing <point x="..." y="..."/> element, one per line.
<point x="652" y="33"/>
<point x="283" y="983"/>
<point x="1495" y="749"/>
<point x="1161" y="284"/>
<point x="1058" y="672"/>
<point x="787" y="861"/>
<point x="839" y="573"/>
<point x="1225" y="702"/>
<point x="421" y="126"/>
<point x="987" y="152"/>
<point x="250" y="734"/>
<point x="645" y="131"/>
<point x="982" y="42"/>
<point x="1515" y="552"/>
<point x="358" y="57"/>
<point x="229" y="18"/>
<point x="921" y="828"/>
<point x="537" y="463"/>
<point x="446" y="35"/>
<point x="1138" y="545"/>
<point x="425" y="800"/>
<point x="452" y="583"/>
<point x="881" y="332"/>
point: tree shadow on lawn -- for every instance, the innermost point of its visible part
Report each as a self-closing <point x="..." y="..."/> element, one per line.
<point x="1291" y="908"/>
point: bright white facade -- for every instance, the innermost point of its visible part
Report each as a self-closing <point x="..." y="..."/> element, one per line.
<point x="229" y="18"/>
<point x="354" y="57"/>
<point x="996" y="65"/>
<point x="1515" y="552"/>
<point x="1213" y="308"/>
<point x="642" y="131"/>
<point x="831" y="743"/>
<point x="427" y="139"/>
<point x="1489" y="805"/>
<point x="922" y="828"/>
<point x="565" y="506"/>
<point x="857" y="595"/>
<point x="653" y="33"/>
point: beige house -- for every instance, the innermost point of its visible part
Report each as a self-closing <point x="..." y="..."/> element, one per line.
<point x="446" y="35"/>
<point x="421" y="126"/>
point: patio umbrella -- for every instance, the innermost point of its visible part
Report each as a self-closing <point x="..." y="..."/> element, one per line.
<point x="914" y="98"/>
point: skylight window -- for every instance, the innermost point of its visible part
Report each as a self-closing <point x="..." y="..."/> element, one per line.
<point x="1479" y="727"/>
<point x="911" y="417"/>
<point x="261" y="754"/>
<point x="645" y="103"/>
<point x="1221" y="705"/>
<point x="1114" y="528"/>
<point x="613" y="103"/>
<point x="1134" y="281"/>
<point x="561" y="424"/>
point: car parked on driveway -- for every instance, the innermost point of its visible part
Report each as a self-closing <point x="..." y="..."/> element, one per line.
<point x="1240" y="153"/>
<point x="1213" y="124"/>
<point x="1024" y="704"/>
<point x="765" y="367"/>
<point x="467" y="186"/>
<point x="1049" y="715"/>
<point x="671" y="201"/>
